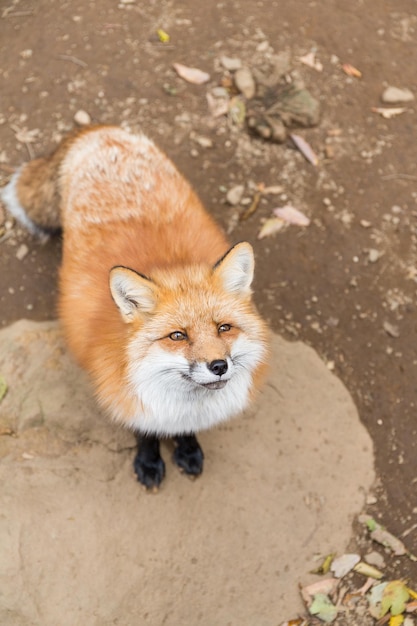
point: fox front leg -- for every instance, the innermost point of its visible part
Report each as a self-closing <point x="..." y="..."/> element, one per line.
<point x="188" y="455"/>
<point x="148" y="464"/>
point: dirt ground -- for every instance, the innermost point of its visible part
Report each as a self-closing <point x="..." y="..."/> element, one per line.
<point x="345" y="284"/>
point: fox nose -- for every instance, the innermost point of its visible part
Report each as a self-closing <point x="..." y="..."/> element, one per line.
<point x="218" y="367"/>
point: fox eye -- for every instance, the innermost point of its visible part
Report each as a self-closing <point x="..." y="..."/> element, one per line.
<point x="177" y="335"/>
<point x="223" y="328"/>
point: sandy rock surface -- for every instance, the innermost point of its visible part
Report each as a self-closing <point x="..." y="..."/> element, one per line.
<point x="82" y="543"/>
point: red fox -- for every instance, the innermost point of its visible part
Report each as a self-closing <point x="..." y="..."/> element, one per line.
<point x="154" y="303"/>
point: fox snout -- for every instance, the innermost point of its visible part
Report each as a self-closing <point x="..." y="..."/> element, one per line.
<point x="213" y="374"/>
<point x="218" y="367"/>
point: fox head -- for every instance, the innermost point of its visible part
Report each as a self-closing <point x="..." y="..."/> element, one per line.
<point x="195" y="341"/>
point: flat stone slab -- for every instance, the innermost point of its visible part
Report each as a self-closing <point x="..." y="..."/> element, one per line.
<point x="82" y="543"/>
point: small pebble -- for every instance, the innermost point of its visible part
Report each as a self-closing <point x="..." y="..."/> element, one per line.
<point x="394" y="95"/>
<point x="391" y="329"/>
<point x="245" y="83"/>
<point x="231" y="64"/>
<point x="263" y="46"/>
<point x="234" y="195"/>
<point x="22" y="251"/>
<point x="374" y="255"/>
<point x="204" y="142"/>
<point x="220" y="92"/>
<point x="375" y="559"/>
<point x="82" y="118"/>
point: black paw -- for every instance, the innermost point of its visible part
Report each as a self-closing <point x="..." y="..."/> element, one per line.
<point x="149" y="473"/>
<point x="188" y="455"/>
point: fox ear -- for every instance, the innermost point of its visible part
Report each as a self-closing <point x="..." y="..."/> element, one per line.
<point x="235" y="269"/>
<point x="133" y="293"/>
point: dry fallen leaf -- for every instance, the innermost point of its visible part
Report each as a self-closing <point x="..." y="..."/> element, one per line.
<point x="382" y="536"/>
<point x="343" y="564"/>
<point x="394" y="598"/>
<point x="323" y="608"/>
<point x="237" y="111"/>
<point x="351" y="71"/>
<point x="412" y="606"/>
<point x="305" y="149"/>
<point x="191" y="74"/>
<point x="368" y="570"/>
<point x="375" y="599"/>
<point x="23" y="135"/>
<point x="271" y="226"/>
<point x="325" y="586"/>
<point x="3" y="388"/>
<point x="291" y="215"/>
<point x="218" y="106"/>
<point x="310" y="60"/>
<point x="387" y="113"/>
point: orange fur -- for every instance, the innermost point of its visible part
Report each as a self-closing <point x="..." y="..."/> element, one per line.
<point x="123" y="203"/>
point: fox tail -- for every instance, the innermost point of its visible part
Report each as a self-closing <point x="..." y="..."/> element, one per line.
<point x="33" y="194"/>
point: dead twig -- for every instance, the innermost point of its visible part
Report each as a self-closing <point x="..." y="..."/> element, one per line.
<point x="68" y="57"/>
<point x="7" y="13"/>
<point x="409" y="530"/>
<point x="254" y="205"/>
<point x="30" y="151"/>
<point x="401" y="176"/>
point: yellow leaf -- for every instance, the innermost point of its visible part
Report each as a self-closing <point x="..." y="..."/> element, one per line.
<point x="412" y="593"/>
<point x="163" y="36"/>
<point x="396" y="620"/>
<point x="325" y="566"/>
<point x="394" y="598"/>
<point x="368" y="570"/>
